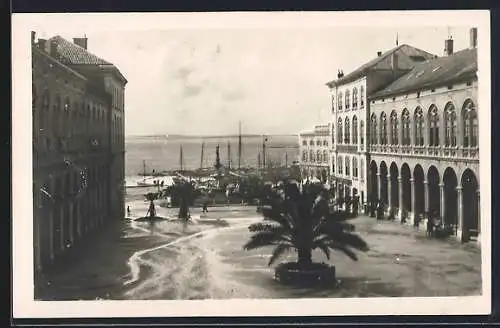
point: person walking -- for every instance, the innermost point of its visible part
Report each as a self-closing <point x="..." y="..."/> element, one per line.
<point x="128" y="210"/>
<point x="430" y="226"/>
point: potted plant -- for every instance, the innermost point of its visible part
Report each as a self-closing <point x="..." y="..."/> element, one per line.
<point x="302" y="221"/>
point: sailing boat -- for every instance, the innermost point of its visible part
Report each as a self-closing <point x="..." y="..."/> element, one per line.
<point x="144" y="182"/>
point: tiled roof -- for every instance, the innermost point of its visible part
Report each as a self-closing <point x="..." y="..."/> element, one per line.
<point x="439" y="71"/>
<point x="407" y="58"/>
<point x="76" y="55"/>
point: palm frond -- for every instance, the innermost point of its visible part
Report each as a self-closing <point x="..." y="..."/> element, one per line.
<point x="273" y="214"/>
<point x="344" y="250"/>
<point x="266" y="238"/>
<point x="258" y="227"/>
<point x="347" y="239"/>
<point x="278" y="251"/>
<point x="324" y="247"/>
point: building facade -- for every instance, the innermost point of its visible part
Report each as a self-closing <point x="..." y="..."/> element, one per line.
<point x="350" y="112"/>
<point x="78" y="145"/>
<point x="424" y="143"/>
<point x="314" y="153"/>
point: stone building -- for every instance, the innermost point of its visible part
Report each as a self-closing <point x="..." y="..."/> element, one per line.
<point x="424" y="143"/>
<point x="314" y="153"/>
<point x="350" y="112"/>
<point x="78" y="145"/>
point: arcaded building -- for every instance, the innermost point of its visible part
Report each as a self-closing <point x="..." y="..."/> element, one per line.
<point x="350" y="115"/>
<point x="78" y="145"/>
<point x="424" y="143"/>
<point x="314" y="153"/>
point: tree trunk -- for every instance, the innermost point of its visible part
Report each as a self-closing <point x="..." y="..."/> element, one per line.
<point x="305" y="255"/>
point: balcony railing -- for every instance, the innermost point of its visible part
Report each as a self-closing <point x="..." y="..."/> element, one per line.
<point x="455" y="152"/>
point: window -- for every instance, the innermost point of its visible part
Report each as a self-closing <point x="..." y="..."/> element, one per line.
<point x="325" y="156"/>
<point x="319" y="159"/>
<point x="470" y="124"/>
<point x="373" y="130"/>
<point x="355" y="98"/>
<point x="362" y="96"/>
<point x="304" y="156"/>
<point x="405" y="127"/>
<point x="347" y="134"/>
<point x="318" y="142"/>
<point x="419" y="127"/>
<point x="355" y="129"/>
<point x="362" y="169"/>
<point x="340" y="165"/>
<point x="450" y="125"/>
<point x="333" y="134"/>
<point x="383" y="129"/>
<point x="333" y="166"/>
<point x="394" y="128"/>
<point x="355" y="167"/>
<point x="66" y="116"/>
<point x="311" y="142"/>
<point x="304" y="143"/>
<point x="347" y="99"/>
<point x="339" y="100"/>
<point x="362" y="132"/>
<point x="433" y="126"/>
<point x="311" y="156"/>
<point x="333" y="103"/>
<point x="347" y="166"/>
<point x="325" y="143"/>
<point x="57" y="115"/>
<point x="339" y="131"/>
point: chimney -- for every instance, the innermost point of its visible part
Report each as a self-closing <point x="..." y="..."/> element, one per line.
<point x="42" y="44"/>
<point x="82" y="42"/>
<point x="379" y="53"/>
<point x="33" y="37"/>
<point x="53" y="48"/>
<point x="394" y="62"/>
<point x="448" y="47"/>
<point x="473" y="37"/>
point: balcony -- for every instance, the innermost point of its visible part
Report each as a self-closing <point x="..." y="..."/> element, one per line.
<point x="343" y="148"/>
<point x="443" y="152"/>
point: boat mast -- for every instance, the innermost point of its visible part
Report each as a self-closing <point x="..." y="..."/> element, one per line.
<point x="202" y="149"/>
<point x="239" y="145"/>
<point x="144" y="168"/>
<point x="228" y="155"/>
<point x="181" y="160"/>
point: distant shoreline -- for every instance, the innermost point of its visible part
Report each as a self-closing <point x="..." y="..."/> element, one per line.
<point x="180" y="136"/>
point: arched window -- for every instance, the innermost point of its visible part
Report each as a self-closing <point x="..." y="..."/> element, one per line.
<point x="383" y="129"/>
<point x="347" y="166"/>
<point x="319" y="159"/>
<point x="450" y="125"/>
<point x="347" y="99"/>
<point x="355" y="98"/>
<point x="355" y="129"/>
<point x="470" y="124"/>
<point x="405" y="127"/>
<point x="304" y="156"/>
<point x="433" y="126"/>
<point x="325" y="156"/>
<point x="325" y="142"/>
<point x="362" y="132"/>
<point x="373" y="130"/>
<point x="311" y="142"/>
<point x="362" y="96"/>
<point x="339" y="100"/>
<point x="339" y="131"/>
<point x="394" y="128"/>
<point x="355" y="167"/>
<point x="311" y="155"/>
<point x="340" y="165"/>
<point x="333" y="133"/>
<point x="333" y="103"/>
<point x="419" y="127"/>
<point x="347" y="134"/>
<point x="304" y="143"/>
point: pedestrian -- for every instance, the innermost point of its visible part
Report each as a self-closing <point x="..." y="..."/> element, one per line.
<point x="128" y="210"/>
<point x="152" y="210"/>
<point x="430" y="226"/>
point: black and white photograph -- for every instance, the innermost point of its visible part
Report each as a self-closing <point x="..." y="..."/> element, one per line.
<point x="332" y="163"/>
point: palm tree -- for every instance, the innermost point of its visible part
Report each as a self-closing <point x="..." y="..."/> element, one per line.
<point x="301" y="220"/>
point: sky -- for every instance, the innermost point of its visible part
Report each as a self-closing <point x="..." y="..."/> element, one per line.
<point x="204" y="81"/>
